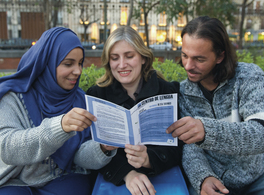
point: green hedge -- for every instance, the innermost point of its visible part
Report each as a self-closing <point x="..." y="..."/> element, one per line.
<point x="89" y="76"/>
<point x="171" y="71"/>
<point x="249" y="57"/>
<point x="4" y="74"/>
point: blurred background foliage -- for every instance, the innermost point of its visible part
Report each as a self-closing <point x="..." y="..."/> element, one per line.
<point x="172" y="71"/>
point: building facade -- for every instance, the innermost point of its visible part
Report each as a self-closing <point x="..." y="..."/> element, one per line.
<point x="28" y="19"/>
<point x="253" y="23"/>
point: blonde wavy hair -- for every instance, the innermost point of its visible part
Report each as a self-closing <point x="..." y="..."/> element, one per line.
<point x="131" y="36"/>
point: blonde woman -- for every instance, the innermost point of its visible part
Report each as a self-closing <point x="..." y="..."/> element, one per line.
<point x="130" y="78"/>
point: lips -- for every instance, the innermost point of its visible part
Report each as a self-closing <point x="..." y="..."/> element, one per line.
<point x="124" y="73"/>
<point x="72" y="81"/>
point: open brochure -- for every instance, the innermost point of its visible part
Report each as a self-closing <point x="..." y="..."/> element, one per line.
<point x="145" y="123"/>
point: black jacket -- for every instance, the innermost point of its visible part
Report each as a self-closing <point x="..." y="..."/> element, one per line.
<point x="161" y="157"/>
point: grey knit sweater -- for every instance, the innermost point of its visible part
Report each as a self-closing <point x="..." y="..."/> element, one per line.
<point x="233" y="148"/>
<point x="25" y="149"/>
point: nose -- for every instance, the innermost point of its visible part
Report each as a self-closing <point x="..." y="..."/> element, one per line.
<point x="188" y="64"/>
<point x="122" y="63"/>
<point x="77" y="69"/>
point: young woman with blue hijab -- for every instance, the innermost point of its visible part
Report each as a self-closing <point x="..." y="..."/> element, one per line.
<point x="45" y="142"/>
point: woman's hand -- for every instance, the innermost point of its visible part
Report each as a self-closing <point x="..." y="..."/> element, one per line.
<point x="138" y="183"/>
<point x="137" y="156"/>
<point x="77" y="119"/>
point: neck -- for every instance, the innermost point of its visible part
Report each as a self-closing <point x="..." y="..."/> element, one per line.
<point x="209" y="86"/>
<point x="208" y="83"/>
<point x="131" y="90"/>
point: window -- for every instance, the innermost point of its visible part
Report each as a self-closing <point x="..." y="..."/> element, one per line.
<point x="249" y="24"/>
<point x="103" y="17"/>
<point x="181" y="20"/>
<point x="142" y="21"/>
<point x="250" y="9"/>
<point x="162" y="19"/>
<point x="262" y="24"/>
<point x="258" y="7"/>
<point x="123" y="17"/>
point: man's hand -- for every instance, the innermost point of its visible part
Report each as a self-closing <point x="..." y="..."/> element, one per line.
<point x="187" y="129"/>
<point x="77" y="119"/>
<point x="212" y="186"/>
<point x="137" y="156"/>
<point x="138" y="183"/>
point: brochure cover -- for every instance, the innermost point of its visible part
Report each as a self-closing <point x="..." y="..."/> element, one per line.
<point x="145" y="123"/>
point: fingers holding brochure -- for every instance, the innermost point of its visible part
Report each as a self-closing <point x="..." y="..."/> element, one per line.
<point x="77" y="119"/>
<point x="137" y="156"/>
<point x="187" y="129"/>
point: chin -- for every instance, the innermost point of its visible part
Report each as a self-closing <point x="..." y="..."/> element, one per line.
<point x="194" y="80"/>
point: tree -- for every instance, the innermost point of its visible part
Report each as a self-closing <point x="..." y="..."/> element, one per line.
<point x="144" y="7"/>
<point x="84" y="19"/>
<point x="172" y="8"/>
<point x="130" y="13"/>
<point x="50" y="9"/>
<point x="224" y="10"/>
<point x="244" y="5"/>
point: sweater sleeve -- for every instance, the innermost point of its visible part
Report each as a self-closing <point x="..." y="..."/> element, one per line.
<point x="196" y="166"/>
<point x="241" y="133"/>
<point x="88" y="149"/>
<point x="20" y="143"/>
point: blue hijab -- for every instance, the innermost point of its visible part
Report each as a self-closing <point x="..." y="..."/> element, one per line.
<point x="44" y="98"/>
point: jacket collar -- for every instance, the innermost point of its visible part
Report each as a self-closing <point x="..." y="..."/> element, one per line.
<point x="192" y="89"/>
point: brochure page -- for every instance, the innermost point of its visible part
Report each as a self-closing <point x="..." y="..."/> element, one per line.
<point x="145" y="123"/>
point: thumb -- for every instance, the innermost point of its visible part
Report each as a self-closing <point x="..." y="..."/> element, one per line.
<point x="221" y="188"/>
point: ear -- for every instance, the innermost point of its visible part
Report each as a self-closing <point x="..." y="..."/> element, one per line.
<point x="143" y="60"/>
<point x="220" y="58"/>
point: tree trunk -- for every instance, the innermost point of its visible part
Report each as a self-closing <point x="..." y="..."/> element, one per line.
<point x="146" y="22"/>
<point x="46" y="10"/>
<point x="105" y="20"/>
<point x="243" y="13"/>
<point x="130" y="13"/>
<point x="56" y="6"/>
<point x="84" y="34"/>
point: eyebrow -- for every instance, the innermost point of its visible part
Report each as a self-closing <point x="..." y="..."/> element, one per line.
<point x="71" y="59"/>
<point x="124" y="53"/>
<point x="195" y="56"/>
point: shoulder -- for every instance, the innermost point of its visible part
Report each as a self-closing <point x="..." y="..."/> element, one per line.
<point x="247" y="74"/>
<point x="10" y="97"/>
<point x="184" y="84"/>
<point x="94" y="90"/>
<point x="13" y="104"/>
<point x="248" y="70"/>
<point x="171" y="87"/>
<point x="97" y="91"/>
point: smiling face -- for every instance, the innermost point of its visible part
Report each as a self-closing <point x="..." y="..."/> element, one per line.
<point x="70" y="68"/>
<point x="199" y="59"/>
<point x="126" y="63"/>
